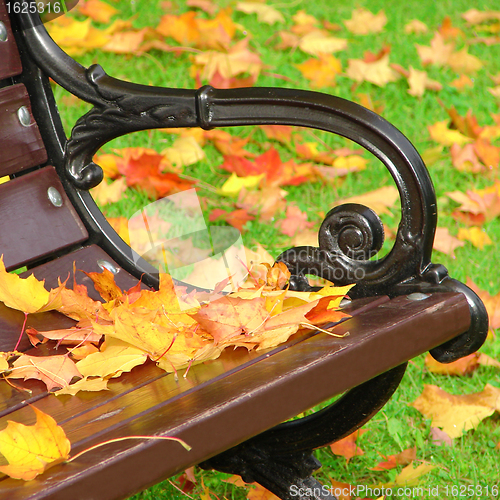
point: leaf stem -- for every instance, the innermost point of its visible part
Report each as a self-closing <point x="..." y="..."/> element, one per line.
<point x="151" y="438"/>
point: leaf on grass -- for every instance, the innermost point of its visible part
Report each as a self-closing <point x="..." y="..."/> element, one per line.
<point x="415" y="27"/>
<point x="465" y="159"/>
<point x="491" y="302"/>
<point x="456" y="414"/>
<point x="258" y="492"/>
<point x="445" y="242"/>
<point x="462" y="366"/>
<point x="438" y="53"/>
<point x="475" y="235"/>
<point x="318" y="42"/>
<point x="265" y="13"/>
<point x="294" y="222"/>
<point x="97" y="10"/>
<point x="419" y="82"/>
<point x="106" y="192"/>
<point x="321" y="72"/>
<point x="54" y="371"/>
<point x="32" y="449"/>
<point x="378" y="72"/>
<point x="347" y="446"/>
<point x="392" y="461"/>
<point x="379" y="200"/>
<point x="235" y="184"/>
<point x="364" y="22"/>
<point x="185" y="151"/>
<point x="237" y="218"/>
<point x="443" y="135"/>
<point x="440" y="437"/>
<point x="409" y="476"/>
<point x="463" y="62"/>
<point x="484" y="203"/>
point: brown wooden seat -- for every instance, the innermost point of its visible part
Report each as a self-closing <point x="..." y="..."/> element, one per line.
<point x="227" y="410"/>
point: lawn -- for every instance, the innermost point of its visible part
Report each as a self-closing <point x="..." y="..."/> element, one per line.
<point x="473" y="458"/>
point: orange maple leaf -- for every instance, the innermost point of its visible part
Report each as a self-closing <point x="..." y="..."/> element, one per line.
<point x="347" y="446"/>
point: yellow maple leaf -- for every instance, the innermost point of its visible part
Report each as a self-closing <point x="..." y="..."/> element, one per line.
<point x="364" y="22"/>
<point x="184" y="151"/>
<point x="463" y="62"/>
<point x="24" y="294"/>
<point x="318" y="42"/>
<point x="443" y="135"/>
<point x="32" y="449"/>
<point x="106" y="193"/>
<point x="475" y="235"/>
<point x="456" y="414"/>
<point x="265" y="13"/>
<point x="112" y="361"/>
<point x="378" y="72"/>
<point x="409" y="476"/>
<point x="85" y="384"/>
<point x="235" y="184"/>
<point x="321" y="72"/>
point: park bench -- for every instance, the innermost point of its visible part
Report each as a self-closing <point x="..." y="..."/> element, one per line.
<point x="230" y="410"/>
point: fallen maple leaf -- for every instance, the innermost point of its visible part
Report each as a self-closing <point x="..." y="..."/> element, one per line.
<point x="491" y="302"/>
<point x="236" y="218"/>
<point x="462" y="366"/>
<point x="438" y="53"/>
<point x="415" y="26"/>
<point x="31" y="450"/>
<point x="364" y="22"/>
<point x="97" y="10"/>
<point x="112" y="361"/>
<point x="456" y="414"/>
<point x="295" y="221"/>
<point x="106" y="192"/>
<point x="265" y="13"/>
<point x="93" y="384"/>
<point x="185" y="151"/>
<point x="445" y="242"/>
<point x="476" y="236"/>
<point x="54" y="371"/>
<point x="379" y="200"/>
<point x="379" y="72"/>
<point x="419" y="82"/>
<point x="484" y="203"/>
<point x="318" y="42"/>
<point x="392" y="461"/>
<point x="347" y="446"/>
<point x="321" y="72"/>
<point x="409" y="476"/>
<point x="443" y="135"/>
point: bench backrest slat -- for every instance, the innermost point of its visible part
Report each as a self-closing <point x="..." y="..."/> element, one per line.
<point x="10" y="62"/>
<point x="21" y="145"/>
<point x="31" y="226"/>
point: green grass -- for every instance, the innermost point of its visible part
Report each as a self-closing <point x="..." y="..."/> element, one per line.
<point x="473" y="458"/>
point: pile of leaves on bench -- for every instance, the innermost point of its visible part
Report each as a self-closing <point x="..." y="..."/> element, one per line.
<point x="170" y="328"/>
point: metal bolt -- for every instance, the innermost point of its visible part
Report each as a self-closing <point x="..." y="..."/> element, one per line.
<point x="55" y="197"/>
<point x="3" y="32"/>
<point x="417" y="296"/>
<point x="104" y="264"/>
<point x="24" y="116"/>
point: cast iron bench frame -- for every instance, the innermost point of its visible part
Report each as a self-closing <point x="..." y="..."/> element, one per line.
<point x="403" y="305"/>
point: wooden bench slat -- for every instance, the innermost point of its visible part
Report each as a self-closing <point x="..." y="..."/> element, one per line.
<point x="88" y="259"/>
<point x="21" y="145"/>
<point x="31" y="227"/>
<point x="236" y="405"/>
<point x="10" y="62"/>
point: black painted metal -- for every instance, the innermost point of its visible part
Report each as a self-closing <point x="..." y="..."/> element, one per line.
<point x="281" y="457"/>
<point x="349" y="238"/>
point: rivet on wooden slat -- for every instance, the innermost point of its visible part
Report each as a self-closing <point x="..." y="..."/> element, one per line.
<point x="417" y="296"/>
<point x="104" y="264"/>
<point x="3" y="32"/>
<point x="55" y="197"/>
<point x="24" y="116"/>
